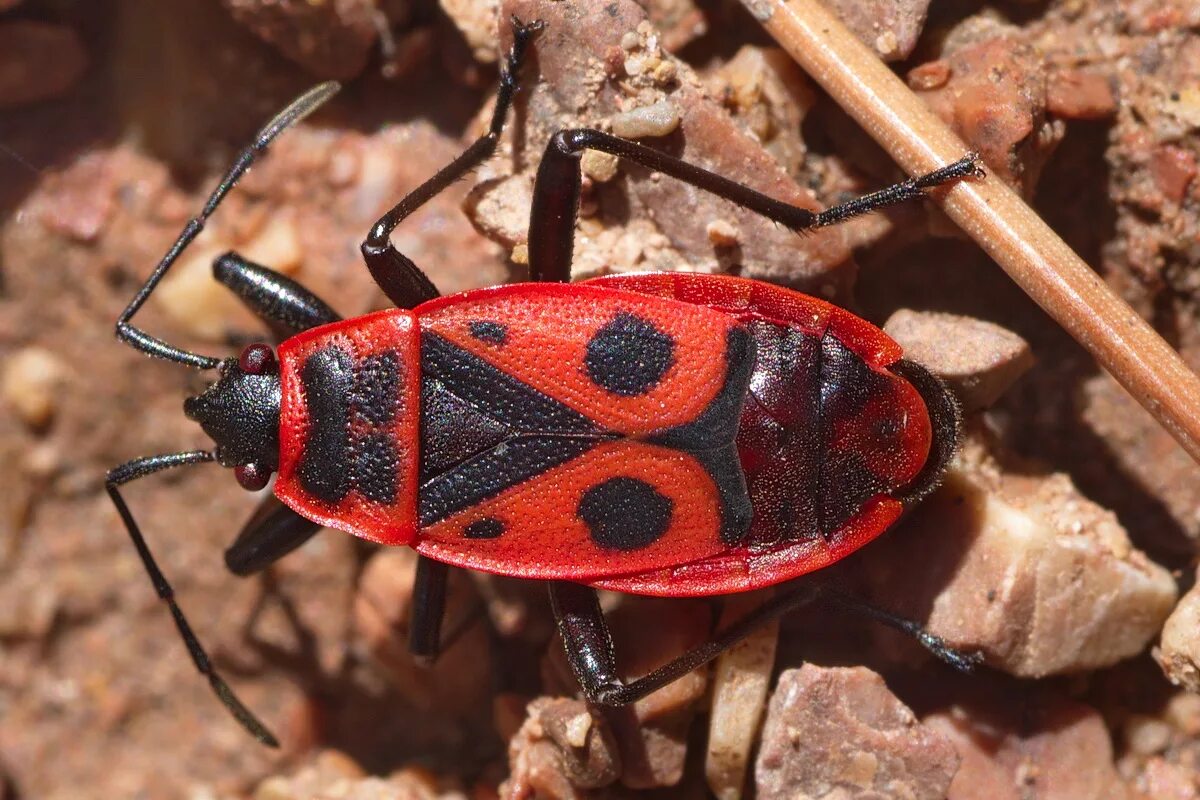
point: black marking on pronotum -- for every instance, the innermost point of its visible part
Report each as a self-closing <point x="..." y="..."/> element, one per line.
<point x="376" y="394"/>
<point x="486" y="330"/>
<point x="376" y="467"/>
<point x="328" y="378"/>
<point x="629" y="355"/>
<point x="625" y="513"/>
<point x="486" y="528"/>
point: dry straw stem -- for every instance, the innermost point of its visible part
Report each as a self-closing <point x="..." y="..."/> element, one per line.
<point x="992" y="214"/>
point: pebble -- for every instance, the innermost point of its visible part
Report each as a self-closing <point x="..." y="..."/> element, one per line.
<point x="30" y="384"/>
<point x="658" y="119"/>
<point x="978" y="359"/>
<point x="839" y="732"/>
<point x="1021" y="566"/>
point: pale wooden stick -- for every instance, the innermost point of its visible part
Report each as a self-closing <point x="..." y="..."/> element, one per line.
<point x="992" y="214"/>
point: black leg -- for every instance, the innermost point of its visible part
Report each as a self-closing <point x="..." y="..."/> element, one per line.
<point x="589" y="646"/>
<point x="428" y="610"/>
<point x="298" y="109"/>
<point x="273" y="531"/>
<point x="139" y="468"/>
<point x="282" y="303"/>
<point x="402" y="280"/>
<point x="963" y="662"/>
<point x="556" y="195"/>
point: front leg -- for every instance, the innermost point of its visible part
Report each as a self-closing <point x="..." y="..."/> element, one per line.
<point x="401" y="280"/>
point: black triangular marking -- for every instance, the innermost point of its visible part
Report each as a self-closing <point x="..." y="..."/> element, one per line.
<point x="495" y="393"/>
<point x="452" y="430"/>
<point x="488" y="474"/>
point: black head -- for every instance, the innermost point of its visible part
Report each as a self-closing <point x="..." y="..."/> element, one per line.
<point x="241" y="414"/>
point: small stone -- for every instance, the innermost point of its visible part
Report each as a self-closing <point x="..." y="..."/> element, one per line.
<point x="600" y="167"/>
<point x="723" y="233"/>
<point x="38" y="61"/>
<point x="838" y="732"/>
<point x="1044" y="747"/>
<point x="1025" y="568"/>
<point x="1178" y="652"/>
<point x="30" y="384"/>
<point x="548" y="756"/>
<point x="1075" y="94"/>
<point x="978" y="359"/>
<point x="276" y="246"/>
<point x="741" y="678"/>
<point x="477" y="21"/>
<point x="1146" y="736"/>
<point x="658" y="119"/>
<point x="500" y="208"/>
<point x="890" y="27"/>
<point x="995" y="99"/>
<point x="928" y="76"/>
<point x="330" y="40"/>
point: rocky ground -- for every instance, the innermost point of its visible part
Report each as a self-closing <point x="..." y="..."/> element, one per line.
<point x="1061" y="544"/>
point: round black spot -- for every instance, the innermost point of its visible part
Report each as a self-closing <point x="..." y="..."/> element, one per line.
<point x="629" y="356"/>
<point x="625" y="513"/>
<point x="488" y="331"/>
<point x="486" y="528"/>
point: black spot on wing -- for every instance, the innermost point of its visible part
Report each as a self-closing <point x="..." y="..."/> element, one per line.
<point x="489" y="331"/>
<point x="625" y="514"/>
<point x="486" y="528"/>
<point x="629" y="355"/>
<point x="327" y="377"/>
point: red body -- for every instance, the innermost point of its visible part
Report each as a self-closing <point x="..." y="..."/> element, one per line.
<point x="670" y="434"/>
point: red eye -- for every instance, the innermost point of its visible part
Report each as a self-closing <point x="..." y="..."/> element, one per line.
<point x="252" y="477"/>
<point x="256" y="359"/>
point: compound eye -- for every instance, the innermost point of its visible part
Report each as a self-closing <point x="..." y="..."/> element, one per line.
<point x="256" y="359"/>
<point x="252" y="477"/>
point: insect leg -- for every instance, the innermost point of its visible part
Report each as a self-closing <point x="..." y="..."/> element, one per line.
<point x="556" y="194"/>
<point x="139" y="468"/>
<point x="428" y="610"/>
<point x="273" y="531"/>
<point x="286" y="306"/>
<point x="589" y="646"/>
<point x="402" y="280"/>
<point x="299" y="108"/>
<point x="964" y="662"/>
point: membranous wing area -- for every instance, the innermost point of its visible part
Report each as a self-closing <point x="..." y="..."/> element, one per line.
<point x="576" y="432"/>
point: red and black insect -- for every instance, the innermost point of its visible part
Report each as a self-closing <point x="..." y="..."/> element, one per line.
<point x="665" y="434"/>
